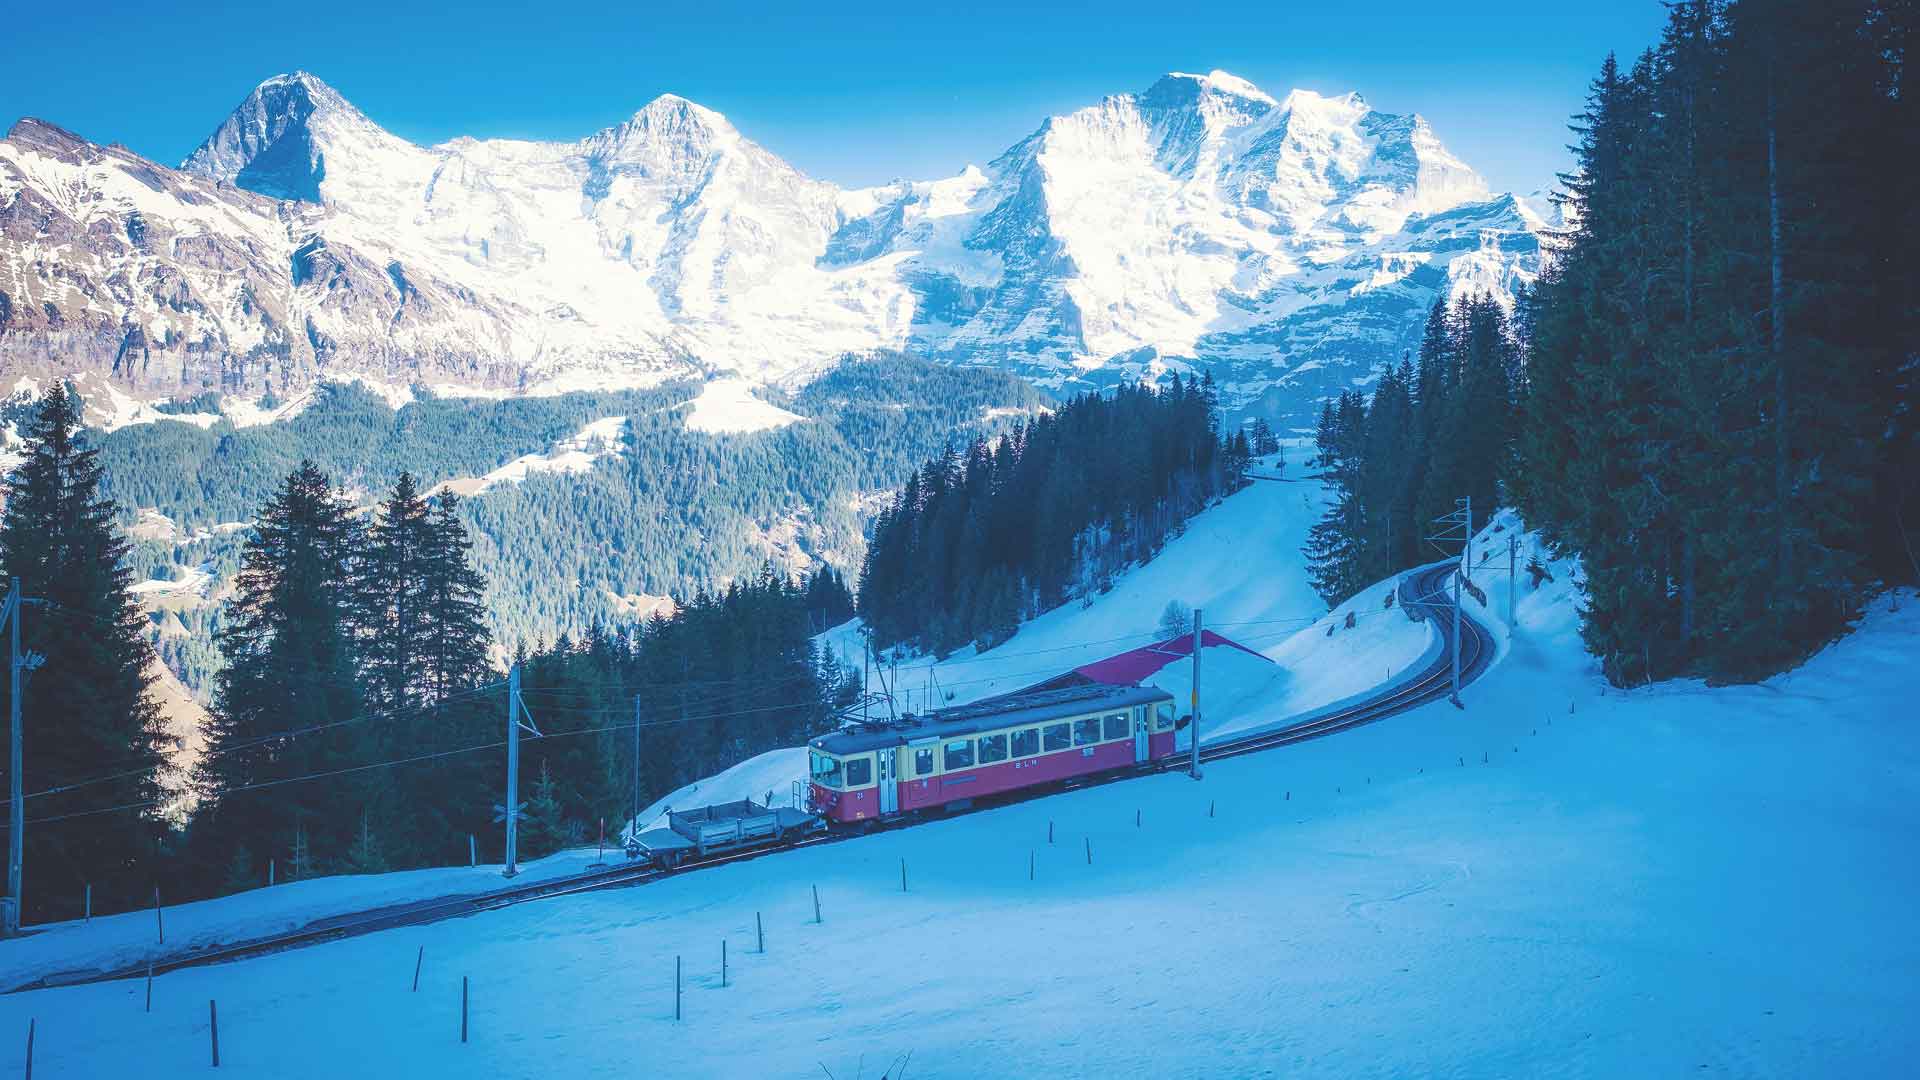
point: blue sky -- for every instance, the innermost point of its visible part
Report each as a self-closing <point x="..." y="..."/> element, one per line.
<point x="853" y="93"/>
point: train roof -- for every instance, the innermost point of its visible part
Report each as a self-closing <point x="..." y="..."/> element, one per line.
<point x="1007" y="710"/>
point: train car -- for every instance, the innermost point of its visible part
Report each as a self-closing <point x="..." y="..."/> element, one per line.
<point x="948" y="758"/>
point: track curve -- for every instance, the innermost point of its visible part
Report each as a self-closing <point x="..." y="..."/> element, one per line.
<point x="1420" y="592"/>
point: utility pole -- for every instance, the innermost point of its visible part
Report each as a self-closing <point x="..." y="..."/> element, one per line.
<point x="1456" y="526"/>
<point x="1455" y="696"/>
<point x="636" y="765"/>
<point x="1513" y="574"/>
<point x="517" y="717"/>
<point x="1466" y="557"/>
<point x="1193" y="726"/>
<point x="17" y="803"/>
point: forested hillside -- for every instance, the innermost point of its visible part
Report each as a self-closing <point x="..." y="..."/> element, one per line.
<point x="669" y="512"/>
<point x="978" y="540"/>
<point x="1722" y="368"/>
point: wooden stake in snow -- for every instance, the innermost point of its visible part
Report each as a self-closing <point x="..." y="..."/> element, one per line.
<point x="418" y="957"/>
<point x="463" y="1009"/>
<point x="149" y="986"/>
<point x="1049" y="830"/>
<point x="903" y="875"/>
<point x="1209" y="807"/>
<point x="676" y="988"/>
<point x="816" y="903"/>
<point x="159" y="923"/>
<point x="759" y="935"/>
<point x="213" y="1029"/>
<point x="1136" y="817"/>
<point x="89" y="916"/>
<point x="1089" y="851"/>
<point x="1029" y="866"/>
<point x="30" y="1023"/>
<point x="473" y="853"/>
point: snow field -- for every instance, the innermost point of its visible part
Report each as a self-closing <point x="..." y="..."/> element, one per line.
<point x="1653" y="882"/>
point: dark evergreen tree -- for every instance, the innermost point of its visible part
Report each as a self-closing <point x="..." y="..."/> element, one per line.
<point x="282" y="703"/>
<point x="93" y="736"/>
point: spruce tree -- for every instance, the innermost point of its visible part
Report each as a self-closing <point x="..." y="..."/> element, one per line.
<point x="87" y="712"/>
<point x="282" y="703"/>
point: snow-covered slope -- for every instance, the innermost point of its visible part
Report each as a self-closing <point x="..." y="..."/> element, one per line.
<point x="1291" y="242"/>
<point x="1561" y="879"/>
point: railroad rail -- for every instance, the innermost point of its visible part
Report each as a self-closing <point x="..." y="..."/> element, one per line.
<point x="1422" y="590"/>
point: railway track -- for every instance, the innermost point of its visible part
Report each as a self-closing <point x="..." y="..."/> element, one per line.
<point x="1422" y="590"/>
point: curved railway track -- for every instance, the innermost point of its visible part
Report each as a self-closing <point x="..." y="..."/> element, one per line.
<point x="1421" y="591"/>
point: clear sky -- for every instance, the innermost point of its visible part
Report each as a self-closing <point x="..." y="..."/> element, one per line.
<point x="854" y="93"/>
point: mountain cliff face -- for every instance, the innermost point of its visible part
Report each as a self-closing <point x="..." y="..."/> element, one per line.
<point x="1291" y="245"/>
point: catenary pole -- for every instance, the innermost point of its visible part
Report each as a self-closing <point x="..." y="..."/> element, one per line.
<point x="1456" y="639"/>
<point x="16" y="804"/>
<point x="1513" y="574"/>
<point x="1193" y="726"/>
<point x="636" y="765"/>
<point x="513" y="770"/>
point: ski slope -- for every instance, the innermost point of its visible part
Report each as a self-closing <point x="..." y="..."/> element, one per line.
<point x="1560" y="879"/>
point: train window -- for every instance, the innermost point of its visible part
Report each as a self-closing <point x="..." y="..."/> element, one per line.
<point x="859" y="771"/>
<point x="1086" y="730"/>
<point x="1116" y="725"/>
<point x="960" y="754"/>
<point x="1026" y="741"/>
<point x="826" y="771"/>
<point x="993" y="748"/>
<point x="1056" y="737"/>
<point x="1163" y="716"/>
<point x="923" y="761"/>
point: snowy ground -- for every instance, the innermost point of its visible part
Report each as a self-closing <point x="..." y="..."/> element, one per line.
<point x="1561" y="879"/>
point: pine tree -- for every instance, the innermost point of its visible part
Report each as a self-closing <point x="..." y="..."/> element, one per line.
<point x="542" y="827"/>
<point x="87" y="712"/>
<point x="365" y="856"/>
<point x="289" y="686"/>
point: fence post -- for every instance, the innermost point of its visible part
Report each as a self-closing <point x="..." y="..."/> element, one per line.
<point x="159" y="922"/>
<point x="30" y="1023"/>
<point x="903" y="874"/>
<point x="676" y="988"/>
<point x="463" y="1009"/>
<point x="149" y="986"/>
<point x="213" y="1028"/>
<point x="723" y="963"/>
<point x="1029" y="866"/>
<point x="1049" y="830"/>
<point x="422" y="955"/>
<point x="1089" y="851"/>
<point x="759" y="934"/>
<point x="816" y="903"/>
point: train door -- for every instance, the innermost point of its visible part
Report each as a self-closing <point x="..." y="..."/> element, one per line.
<point x="1141" y="747"/>
<point x="889" y="791"/>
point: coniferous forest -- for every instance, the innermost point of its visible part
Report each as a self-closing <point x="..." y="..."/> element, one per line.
<point x="1709" y="394"/>
<point x="1718" y="414"/>
<point x="358" y="716"/>
<point x="977" y="541"/>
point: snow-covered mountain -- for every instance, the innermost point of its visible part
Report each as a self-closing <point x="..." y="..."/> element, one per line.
<point x="1291" y="244"/>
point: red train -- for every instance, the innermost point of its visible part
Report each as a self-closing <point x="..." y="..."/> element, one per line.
<point x="950" y="757"/>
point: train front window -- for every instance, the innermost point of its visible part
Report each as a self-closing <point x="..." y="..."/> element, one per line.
<point x="1116" y="725"/>
<point x="826" y="771"/>
<point x="859" y="771"/>
<point x="1086" y="731"/>
<point x="960" y="754"/>
<point x="1056" y="737"/>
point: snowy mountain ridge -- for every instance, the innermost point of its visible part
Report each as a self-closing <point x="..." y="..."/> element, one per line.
<point x="1292" y="244"/>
